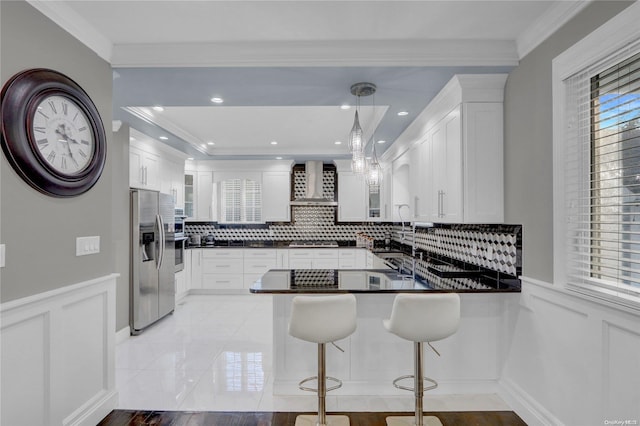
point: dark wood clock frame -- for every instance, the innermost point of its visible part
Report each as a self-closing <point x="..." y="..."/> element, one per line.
<point x="19" y="98"/>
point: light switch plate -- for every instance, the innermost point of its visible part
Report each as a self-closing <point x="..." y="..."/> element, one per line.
<point x="87" y="245"/>
<point x="2" y="249"/>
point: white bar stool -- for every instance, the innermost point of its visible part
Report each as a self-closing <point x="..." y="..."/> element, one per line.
<point x="322" y="319"/>
<point x="422" y="318"/>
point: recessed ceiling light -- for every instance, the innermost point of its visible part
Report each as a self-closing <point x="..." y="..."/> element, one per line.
<point x="338" y="143"/>
<point x="345" y="106"/>
<point x="190" y="158"/>
<point x="217" y="100"/>
<point x="401" y="113"/>
<point x="203" y="145"/>
<point x="131" y="138"/>
<point x="274" y="143"/>
<point x="382" y="141"/>
<point x="211" y="143"/>
<point x="158" y="108"/>
<point x="164" y="138"/>
<point x="278" y="158"/>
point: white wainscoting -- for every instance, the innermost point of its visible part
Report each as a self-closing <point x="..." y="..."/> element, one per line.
<point x="571" y="361"/>
<point x="57" y="355"/>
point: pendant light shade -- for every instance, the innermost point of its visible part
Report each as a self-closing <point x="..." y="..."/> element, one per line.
<point x="356" y="141"/>
<point x="358" y="163"/>
<point x="355" y="138"/>
<point x="374" y="172"/>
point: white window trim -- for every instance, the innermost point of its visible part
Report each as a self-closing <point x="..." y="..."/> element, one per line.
<point x="611" y="37"/>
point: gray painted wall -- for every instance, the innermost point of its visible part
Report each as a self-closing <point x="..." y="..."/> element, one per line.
<point x="40" y="231"/>
<point x="529" y="141"/>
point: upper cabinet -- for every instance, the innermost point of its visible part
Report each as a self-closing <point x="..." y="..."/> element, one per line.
<point x="155" y="166"/>
<point x="452" y="155"/>
<point x="276" y="195"/>
<point x="352" y="194"/>
<point x="144" y="169"/>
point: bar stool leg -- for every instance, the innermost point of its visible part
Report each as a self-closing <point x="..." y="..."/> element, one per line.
<point x="322" y="419"/>
<point x="322" y="386"/>
<point x="418" y="382"/>
<point x="418" y="392"/>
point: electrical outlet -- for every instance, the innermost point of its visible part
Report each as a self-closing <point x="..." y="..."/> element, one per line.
<point x="87" y="245"/>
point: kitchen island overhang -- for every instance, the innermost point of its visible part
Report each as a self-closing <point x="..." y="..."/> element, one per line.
<point x="298" y="281"/>
<point x="471" y="361"/>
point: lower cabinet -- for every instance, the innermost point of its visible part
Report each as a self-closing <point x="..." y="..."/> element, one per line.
<point x="222" y="269"/>
<point x="237" y="269"/>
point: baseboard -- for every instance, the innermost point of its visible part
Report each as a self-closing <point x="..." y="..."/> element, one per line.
<point x="97" y="410"/>
<point x="123" y="334"/>
<point x="525" y="406"/>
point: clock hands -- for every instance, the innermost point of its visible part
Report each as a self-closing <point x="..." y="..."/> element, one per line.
<point x="63" y="134"/>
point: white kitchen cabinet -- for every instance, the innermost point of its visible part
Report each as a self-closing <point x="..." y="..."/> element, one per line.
<point x="276" y="195"/>
<point x="466" y="165"/>
<point x="351" y="258"/>
<point x="257" y="262"/>
<point x="204" y="189"/>
<point x="314" y="258"/>
<point x="188" y="258"/>
<point x="222" y="269"/>
<point x="282" y="256"/>
<point x="144" y="169"/>
<point x="352" y="197"/>
<point x="446" y="169"/>
<point x="172" y="180"/>
<point x="180" y="285"/>
<point x="196" y="269"/>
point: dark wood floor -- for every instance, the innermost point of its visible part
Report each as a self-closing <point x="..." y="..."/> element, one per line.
<point x="186" y="418"/>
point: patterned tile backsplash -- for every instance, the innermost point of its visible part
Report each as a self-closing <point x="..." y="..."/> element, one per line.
<point x="309" y="223"/>
<point x="494" y="247"/>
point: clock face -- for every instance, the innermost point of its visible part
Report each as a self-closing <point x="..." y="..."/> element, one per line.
<point x="62" y="134"/>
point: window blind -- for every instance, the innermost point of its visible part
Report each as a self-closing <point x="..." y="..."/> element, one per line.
<point x="602" y="175"/>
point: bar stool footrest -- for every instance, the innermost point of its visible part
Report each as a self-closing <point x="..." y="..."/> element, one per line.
<point x="411" y="376"/>
<point x="329" y="388"/>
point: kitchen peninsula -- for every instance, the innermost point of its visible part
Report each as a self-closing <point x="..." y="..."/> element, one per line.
<point x="372" y="358"/>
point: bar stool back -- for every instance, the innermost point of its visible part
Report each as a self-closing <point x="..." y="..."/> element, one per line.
<point x="422" y="318"/>
<point x="321" y="320"/>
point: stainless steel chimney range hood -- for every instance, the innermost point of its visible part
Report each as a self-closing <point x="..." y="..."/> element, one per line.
<point x="314" y="193"/>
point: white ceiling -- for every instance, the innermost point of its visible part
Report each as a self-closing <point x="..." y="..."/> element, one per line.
<point x="285" y="67"/>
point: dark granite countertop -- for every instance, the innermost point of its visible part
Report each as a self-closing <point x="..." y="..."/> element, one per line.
<point x="295" y="281"/>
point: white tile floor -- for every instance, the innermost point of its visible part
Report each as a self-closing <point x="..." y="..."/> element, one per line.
<point x="215" y="354"/>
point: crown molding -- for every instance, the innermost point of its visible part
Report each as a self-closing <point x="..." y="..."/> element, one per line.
<point x="554" y="18"/>
<point x="66" y="18"/>
<point x="319" y="53"/>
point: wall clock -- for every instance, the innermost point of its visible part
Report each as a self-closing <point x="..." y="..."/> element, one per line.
<point x="52" y="134"/>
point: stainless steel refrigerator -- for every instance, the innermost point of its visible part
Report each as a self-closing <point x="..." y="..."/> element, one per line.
<point x="152" y="258"/>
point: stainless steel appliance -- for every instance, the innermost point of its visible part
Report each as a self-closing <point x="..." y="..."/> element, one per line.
<point x="180" y="241"/>
<point x="152" y="258"/>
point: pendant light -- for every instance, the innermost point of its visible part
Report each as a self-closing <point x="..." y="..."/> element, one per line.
<point x="374" y="171"/>
<point x="358" y="162"/>
<point x="356" y="141"/>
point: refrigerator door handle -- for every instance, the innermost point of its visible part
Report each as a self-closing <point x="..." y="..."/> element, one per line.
<point x="160" y="226"/>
